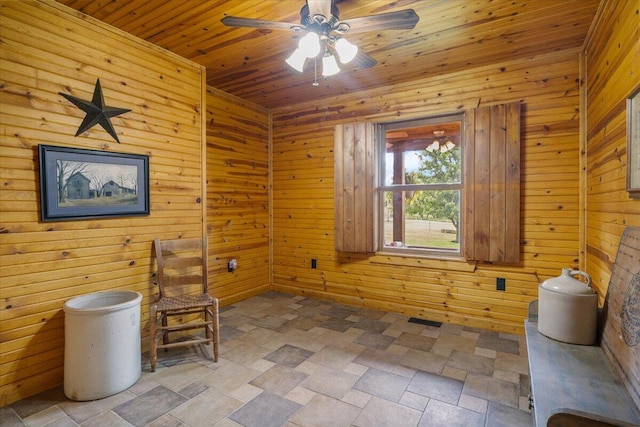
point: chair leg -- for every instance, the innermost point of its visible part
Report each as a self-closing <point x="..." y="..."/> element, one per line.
<point x="208" y="318"/>
<point x="153" y="343"/>
<point x="208" y="327"/>
<point x="165" y="333"/>
<point x="216" y="329"/>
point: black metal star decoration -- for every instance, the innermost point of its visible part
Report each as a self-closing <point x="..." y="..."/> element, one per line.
<point x="97" y="112"/>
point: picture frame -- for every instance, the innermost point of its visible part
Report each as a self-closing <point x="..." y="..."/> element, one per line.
<point x="633" y="144"/>
<point x="83" y="184"/>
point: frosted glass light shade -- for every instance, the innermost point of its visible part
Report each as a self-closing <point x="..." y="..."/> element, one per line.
<point x="310" y="45"/>
<point x="433" y="146"/>
<point x="297" y="60"/>
<point x="329" y="66"/>
<point x="448" y="146"/>
<point x="346" y="51"/>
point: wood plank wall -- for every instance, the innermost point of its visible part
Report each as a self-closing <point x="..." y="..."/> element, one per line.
<point x="45" y="49"/>
<point x="612" y="69"/>
<point x="237" y="196"/>
<point x="303" y="196"/>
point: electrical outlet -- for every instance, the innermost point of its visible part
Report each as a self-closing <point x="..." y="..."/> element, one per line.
<point x="501" y="284"/>
<point x="314" y="263"/>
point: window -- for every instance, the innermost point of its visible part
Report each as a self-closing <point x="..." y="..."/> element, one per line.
<point x="386" y="195"/>
<point x="421" y="185"/>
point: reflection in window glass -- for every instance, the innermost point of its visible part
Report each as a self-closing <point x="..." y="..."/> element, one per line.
<point x="422" y="185"/>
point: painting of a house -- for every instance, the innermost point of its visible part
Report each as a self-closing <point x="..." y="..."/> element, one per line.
<point x="112" y="189"/>
<point x="78" y="187"/>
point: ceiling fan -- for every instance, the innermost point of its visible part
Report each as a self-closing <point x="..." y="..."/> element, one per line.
<point x="320" y="19"/>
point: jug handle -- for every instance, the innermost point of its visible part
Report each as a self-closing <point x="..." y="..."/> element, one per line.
<point x="581" y="273"/>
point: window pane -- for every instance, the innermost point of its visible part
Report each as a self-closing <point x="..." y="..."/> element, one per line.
<point x="411" y="162"/>
<point x="423" y="167"/>
<point x="427" y="219"/>
<point x="424" y="154"/>
<point x="422" y="185"/>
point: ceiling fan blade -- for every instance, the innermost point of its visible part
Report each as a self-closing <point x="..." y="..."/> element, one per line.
<point x="320" y="7"/>
<point x="363" y="60"/>
<point x="234" y="21"/>
<point x="400" y="20"/>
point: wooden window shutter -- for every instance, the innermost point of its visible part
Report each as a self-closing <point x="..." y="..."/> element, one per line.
<point x="355" y="177"/>
<point x="492" y="184"/>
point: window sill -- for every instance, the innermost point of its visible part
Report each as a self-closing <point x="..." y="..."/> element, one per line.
<point x="424" y="261"/>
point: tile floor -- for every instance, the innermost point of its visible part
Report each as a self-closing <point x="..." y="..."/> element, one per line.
<point x="294" y="361"/>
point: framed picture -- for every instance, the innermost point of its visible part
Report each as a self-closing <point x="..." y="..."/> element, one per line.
<point x="84" y="184"/>
<point x="633" y="144"/>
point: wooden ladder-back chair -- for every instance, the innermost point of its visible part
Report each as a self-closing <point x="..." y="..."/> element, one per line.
<point x="182" y="280"/>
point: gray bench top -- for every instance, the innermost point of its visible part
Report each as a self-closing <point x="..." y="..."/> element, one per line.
<point x="576" y="379"/>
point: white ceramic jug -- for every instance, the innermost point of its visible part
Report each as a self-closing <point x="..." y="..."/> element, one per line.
<point x="568" y="308"/>
<point x="567" y="284"/>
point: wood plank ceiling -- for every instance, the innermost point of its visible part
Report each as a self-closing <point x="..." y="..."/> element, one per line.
<point x="451" y="36"/>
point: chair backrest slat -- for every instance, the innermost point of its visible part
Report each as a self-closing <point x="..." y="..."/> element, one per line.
<point x="181" y="244"/>
<point x="182" y="280"/>
<point x="182" y="262"/>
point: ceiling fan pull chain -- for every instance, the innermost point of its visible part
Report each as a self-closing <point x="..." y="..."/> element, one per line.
<point x="315" y="72"/>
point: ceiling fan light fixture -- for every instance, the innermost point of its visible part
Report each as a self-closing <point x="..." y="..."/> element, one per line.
<point x="346" y="50"/>
<point x="310" y="45"/>
<point x="320" y="19"/>
<point x="450" y="145"/>
<point x="329" y="65"/>
<point x="297" y="60"/>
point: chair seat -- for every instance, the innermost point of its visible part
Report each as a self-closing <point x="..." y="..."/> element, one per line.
<point x="184" y="302"/>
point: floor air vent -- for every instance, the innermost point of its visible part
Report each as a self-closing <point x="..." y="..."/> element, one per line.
<point x="425" y="322"/>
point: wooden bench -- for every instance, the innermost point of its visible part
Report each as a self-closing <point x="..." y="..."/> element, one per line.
<point x="575" y="385"/>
